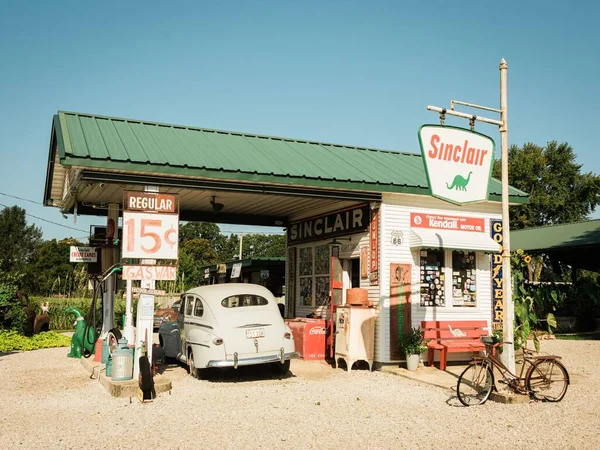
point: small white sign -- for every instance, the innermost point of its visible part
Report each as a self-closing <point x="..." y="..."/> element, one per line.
<point x="236" y="270"/>
<point x="141" y="290"/>
<point x="458" y="163"/>
<point x="397" y="237"/>
<point x="149" y="273"/>
<point x="83" y="254"/>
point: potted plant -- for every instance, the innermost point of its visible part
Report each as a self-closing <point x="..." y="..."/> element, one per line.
<point x="412" y="344"/>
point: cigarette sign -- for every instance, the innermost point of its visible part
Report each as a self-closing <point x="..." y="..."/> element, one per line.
<point x="442" y="222"/>
<point x="83" y="254"/>
<point x="148" y="273"/>
<point x="458" y="163"/>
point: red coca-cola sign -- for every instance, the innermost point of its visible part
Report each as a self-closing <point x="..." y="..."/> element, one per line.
<point x="317" y="330"/>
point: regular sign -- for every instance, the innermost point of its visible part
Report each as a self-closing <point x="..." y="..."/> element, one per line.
<point x="458" y="163"/>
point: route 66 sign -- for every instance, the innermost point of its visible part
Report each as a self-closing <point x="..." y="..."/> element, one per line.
<point x="397" y="238"/>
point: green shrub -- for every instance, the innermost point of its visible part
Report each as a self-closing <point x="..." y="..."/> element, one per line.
<point x="11" y="341"/>
<point x="412" y="343"/>
<point x="12" y="314"/>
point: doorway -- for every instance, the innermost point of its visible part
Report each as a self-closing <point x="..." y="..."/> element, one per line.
<point x="351" y="275"/>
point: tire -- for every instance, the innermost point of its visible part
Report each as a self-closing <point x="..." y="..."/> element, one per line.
<point x="191" y="366"/>
<point x="547" y="380"/>
<point x="281" y="369"/>
<point x="475" y="384"/>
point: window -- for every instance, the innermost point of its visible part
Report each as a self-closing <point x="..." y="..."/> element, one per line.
<point x="432" y="278"/>
<point x="199" y="308"/>
<point x="305" y="271"/>
<point x="236" y="301"/>
<point x="314" y="275"/>
<point x="189" y="305"/>
<point x="464" y="291"/>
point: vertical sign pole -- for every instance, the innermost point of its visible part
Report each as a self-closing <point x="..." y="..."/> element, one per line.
<point x="129" y="330"/>
<point x="508" y="352"/>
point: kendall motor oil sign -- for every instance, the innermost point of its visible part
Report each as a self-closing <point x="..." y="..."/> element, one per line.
<point x="458" y="163"/>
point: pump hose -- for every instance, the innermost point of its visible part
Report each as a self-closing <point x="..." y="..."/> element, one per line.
<point x="90" y="322"/>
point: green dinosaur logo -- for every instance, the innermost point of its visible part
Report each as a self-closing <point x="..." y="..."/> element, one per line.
<point x="460" y="183"/>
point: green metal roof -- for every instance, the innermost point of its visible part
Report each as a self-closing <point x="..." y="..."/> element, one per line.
<point x="557" y="237"/>
<point x="137" y="146"/>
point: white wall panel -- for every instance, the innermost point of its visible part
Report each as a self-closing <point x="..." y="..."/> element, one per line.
<point x="395" y="216"/>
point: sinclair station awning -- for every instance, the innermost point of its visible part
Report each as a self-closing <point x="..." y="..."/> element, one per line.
<point x="452" y="240"/>
<point x="259" y="180"/>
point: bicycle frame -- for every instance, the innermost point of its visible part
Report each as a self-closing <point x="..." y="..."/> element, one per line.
<point x="516" y="383"/>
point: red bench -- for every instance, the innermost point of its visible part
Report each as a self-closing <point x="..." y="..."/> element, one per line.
<point x="450" y="336"/>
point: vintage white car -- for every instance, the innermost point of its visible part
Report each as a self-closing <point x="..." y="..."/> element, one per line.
<point x="228" y="325"/>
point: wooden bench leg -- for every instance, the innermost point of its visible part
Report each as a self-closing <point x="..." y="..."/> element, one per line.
<point x="443" y="359"/>
<point x="430" y="357"/>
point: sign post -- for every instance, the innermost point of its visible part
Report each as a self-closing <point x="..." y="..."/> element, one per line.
<point x="150" y="232"/>
<point x="508" y="354"/>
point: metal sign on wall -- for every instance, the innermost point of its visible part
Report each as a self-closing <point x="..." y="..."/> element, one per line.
<point x="374" y="248"/>
<point x="497" y="280"/>
<point x="337" y="223"/>
<point x="458" y="163"/>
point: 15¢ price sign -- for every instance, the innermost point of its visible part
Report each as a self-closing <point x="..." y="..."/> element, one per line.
<point x="150" y="235"/>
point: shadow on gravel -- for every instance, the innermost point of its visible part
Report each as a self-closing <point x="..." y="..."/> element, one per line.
<point x="454" y="402"/>
<point x="231" y="375"/>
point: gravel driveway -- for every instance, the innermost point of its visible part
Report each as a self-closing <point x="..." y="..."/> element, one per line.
<point x="49" y="401"/>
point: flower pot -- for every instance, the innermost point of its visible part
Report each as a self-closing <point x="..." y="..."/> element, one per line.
<point x="412" y="362"/>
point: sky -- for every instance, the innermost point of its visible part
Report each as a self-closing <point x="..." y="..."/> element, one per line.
<point x="347" y="72"/>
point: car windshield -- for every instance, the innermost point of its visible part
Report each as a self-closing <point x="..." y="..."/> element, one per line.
<point x="237" y="301"/>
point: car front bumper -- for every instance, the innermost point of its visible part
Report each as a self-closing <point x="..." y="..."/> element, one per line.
<point x="236" y="362"/>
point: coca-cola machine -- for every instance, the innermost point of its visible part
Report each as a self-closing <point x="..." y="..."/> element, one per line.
<point x="309" y="337"/>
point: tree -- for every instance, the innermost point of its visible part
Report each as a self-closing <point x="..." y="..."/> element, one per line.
<point x="263" y="246"/>
<point x="51" y="272"/>
<point x="194" y="254"/>
<point x="559" y="192"/>
<point x="195" y="230"/>
<point x="18" y="241"/>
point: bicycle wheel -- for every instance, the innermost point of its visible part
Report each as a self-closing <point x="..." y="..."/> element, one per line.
<point x="547" y="380"/>
<point x="475" y="384"/>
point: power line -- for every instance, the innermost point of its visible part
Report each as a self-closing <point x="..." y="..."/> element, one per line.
<point x="21" y="198"/>
<point x="49" y="221"/>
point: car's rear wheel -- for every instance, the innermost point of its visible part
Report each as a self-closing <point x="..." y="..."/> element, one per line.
<point x="281" y="368"/>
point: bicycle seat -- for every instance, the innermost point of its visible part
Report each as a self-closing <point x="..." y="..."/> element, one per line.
<point x="488" y="340"/>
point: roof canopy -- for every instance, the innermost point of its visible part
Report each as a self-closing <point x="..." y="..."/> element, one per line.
<point x="576" y="244"/>
<point x="89" y="153"/>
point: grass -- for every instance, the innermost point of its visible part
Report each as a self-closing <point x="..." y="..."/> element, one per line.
<point x="587" y="336"/>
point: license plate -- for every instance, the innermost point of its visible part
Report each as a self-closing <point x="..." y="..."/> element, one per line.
<point x="255" y="333"/>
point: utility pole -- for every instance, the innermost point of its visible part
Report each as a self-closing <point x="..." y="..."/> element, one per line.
<point x="241" y="240"/>
<point x="508" y="353"/>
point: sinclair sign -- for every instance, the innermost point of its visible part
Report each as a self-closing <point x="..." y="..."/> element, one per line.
<point x="458" y="163"/>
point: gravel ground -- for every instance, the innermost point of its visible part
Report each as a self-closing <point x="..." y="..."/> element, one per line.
<point x="49" y="401"/>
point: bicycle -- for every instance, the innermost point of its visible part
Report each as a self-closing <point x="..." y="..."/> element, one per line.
<point x="546" y="378"/>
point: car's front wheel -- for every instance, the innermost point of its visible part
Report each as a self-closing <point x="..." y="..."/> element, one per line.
<point x="191" y="366"/>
